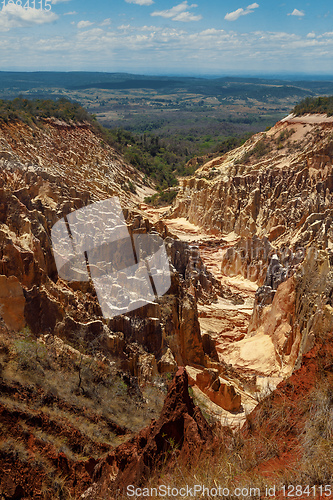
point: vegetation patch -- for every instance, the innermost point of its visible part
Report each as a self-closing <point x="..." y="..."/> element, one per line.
<point x="161" y="198"/>
<point x="315" y="105"/>
<point x="30" y="111"/>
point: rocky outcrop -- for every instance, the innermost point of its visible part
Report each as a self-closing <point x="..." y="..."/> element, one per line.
<point x="287" y="321"/>
<point x="187" y="261"/>
<point x="189" y="337"/>
<point x="51" y="327"/>
<point x="33" y="197"/>
<point x="219" y="390"/>
<point x="12" y="302"/>
<point x="181" y="431"/>
<point x="249" y="257"/>
<point x="278" y="190"/>
<point x="276" y="320"/>
<point x="167" y="363"/>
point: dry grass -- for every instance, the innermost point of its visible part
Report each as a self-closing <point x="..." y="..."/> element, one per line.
<point x="255" y="459"/>
<point x="316" y="466"/>
<point x="90" y="384"/>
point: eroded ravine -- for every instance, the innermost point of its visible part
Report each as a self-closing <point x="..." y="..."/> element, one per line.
<point x="260" y="219"/>
<point x="225" y="320"/>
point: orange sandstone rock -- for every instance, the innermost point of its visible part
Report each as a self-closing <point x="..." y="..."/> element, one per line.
<point x="12" y="302"/>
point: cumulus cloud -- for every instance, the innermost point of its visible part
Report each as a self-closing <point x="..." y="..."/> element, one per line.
<point x="91" y="34"/>
<point x="84" y="24"/>
<point x="178" y="13"/>
<point x="210" y="31"/>
<point x="140" y="2"/>
<point x="106" y="22"/>
<point x="72" y="13"/>
<point x="186" y="17"/>
<point x="168" y="47"/>
<point x="233" y="16"/>
<point x="296" y="12"/>
<point x="15" y="16"/>
<point x="311" y="35"/>
<point x="54" y="2"/>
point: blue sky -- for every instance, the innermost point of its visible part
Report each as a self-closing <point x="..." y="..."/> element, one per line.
<point x="206" y="37"/>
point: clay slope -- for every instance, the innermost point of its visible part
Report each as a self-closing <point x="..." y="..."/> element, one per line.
<point x="291" y="428"/>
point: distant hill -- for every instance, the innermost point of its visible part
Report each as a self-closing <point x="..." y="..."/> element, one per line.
<point x="246" y="87"/>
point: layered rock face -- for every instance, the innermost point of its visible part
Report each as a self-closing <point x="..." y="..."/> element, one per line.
<point x="219" y="390"/>
<point x="279" y="181"/>
<point x="73" y="155"/>
<point x="52" y="329"/>
<point x="12" y="302"/>
<point x="273" y="198"/>
<point x="74" y="170"/>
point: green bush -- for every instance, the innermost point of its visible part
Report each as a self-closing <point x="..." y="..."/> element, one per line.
<point x="162" y="198"/>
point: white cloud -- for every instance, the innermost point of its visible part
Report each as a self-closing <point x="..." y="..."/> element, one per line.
<point x="171" y="12"/>
<point x="54" y="2"/>
<point x="140" y="2"/>
<point x="311" y="35"/>
<point x="167" y="48"/>
<point x="106" y="22"/>
<point x="153" y="29"/>
<point x="296" y="12"/>
<point x="72" y="13"/>
<point x="186" y="17"/>
<point x="91" y="34"/>
<point x="178" y="13"/>
<point x="15" y="16"/>
<point x="84" y="24"/>
<point x="211" y="32"/>
<point x="233" y="16"/>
